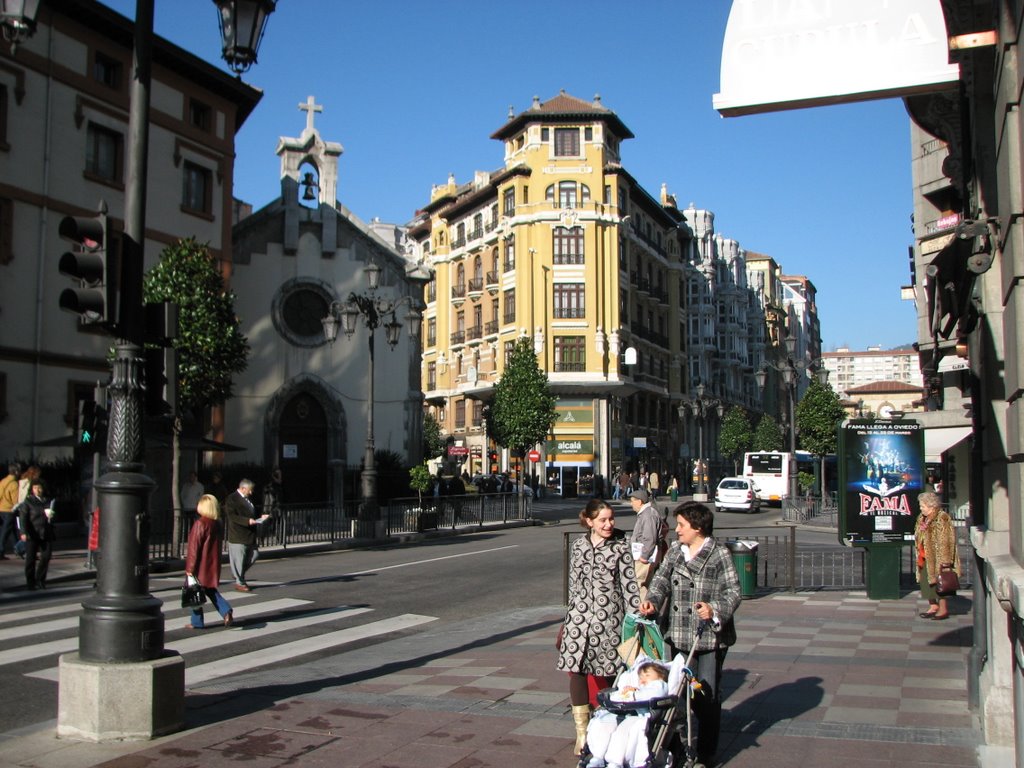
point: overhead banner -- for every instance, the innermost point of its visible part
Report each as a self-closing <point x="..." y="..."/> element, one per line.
<point x="788" y="54"/>
<point x="882" y="471"/>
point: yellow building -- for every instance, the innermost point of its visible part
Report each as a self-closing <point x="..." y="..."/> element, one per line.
<point x="563" y="246"/>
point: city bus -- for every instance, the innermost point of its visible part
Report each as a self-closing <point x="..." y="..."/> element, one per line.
<point x="770" y="472"/>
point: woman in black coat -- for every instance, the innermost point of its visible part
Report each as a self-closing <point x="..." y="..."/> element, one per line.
<point x="37" y="532"/>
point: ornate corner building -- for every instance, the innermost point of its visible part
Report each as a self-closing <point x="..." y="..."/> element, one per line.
<point x="629" y="300"/>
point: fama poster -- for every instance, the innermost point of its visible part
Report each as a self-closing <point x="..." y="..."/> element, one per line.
<point x="883" y="473"/>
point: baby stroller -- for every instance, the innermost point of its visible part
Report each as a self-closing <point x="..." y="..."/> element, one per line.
<point x="667" y="747"/>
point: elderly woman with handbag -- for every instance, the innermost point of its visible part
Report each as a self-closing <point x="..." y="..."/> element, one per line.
<point x="935" y="543"/>
<point x="202" y="561"/>
<point x="602" y="588"/>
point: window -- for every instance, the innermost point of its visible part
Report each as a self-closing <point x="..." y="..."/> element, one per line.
<point x="103" y="152"/>
<point x="568" y="300"/>
<point x="510" y="254"/>
<point x="508" y="201"/>
<point x="478" y="413"/>
<point x="567" y="194"/>
<point x="431" y="376"/>
<point x="199" y="115"/>
<point x="509" y="348"/>
<point x="567" y="142"/>
<point x="302" y="311"/>
<point x="567" y="245"/>
<point x="510" y="305"/>
<point x="460" y="414"/>
<point x="431" y="331"/>
<point x="196" y="195"/>
<point x="545" y="135"/>
<point x="570" y="354"/>
<point x="588" y="133"/>
<point x="107" y="71"/>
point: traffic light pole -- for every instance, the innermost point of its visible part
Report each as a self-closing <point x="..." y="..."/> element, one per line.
<point x="121" y="684"/>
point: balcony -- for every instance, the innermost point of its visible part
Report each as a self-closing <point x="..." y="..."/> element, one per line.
<point x="458" y="242"/>
<point x="476" y="233"/>
<point x="572" y="313"/>
<point x="570" y="367"/>
<point x="458" y="293"/>
<point x="458" y="338"/>
<point x="492" y="281"/>
<point x="490" y="327"/>
<point x="474" y="332"/>
<point x="476" y="286"/>
<point x="508" y="265"/>
<point x="509" y="318"/>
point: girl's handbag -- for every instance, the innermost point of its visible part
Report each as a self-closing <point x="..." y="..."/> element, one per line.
<point x="192" y="594"/>
<point x="947" y="582"/>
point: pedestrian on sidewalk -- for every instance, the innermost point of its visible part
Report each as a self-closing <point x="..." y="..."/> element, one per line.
<point x="700" y="584"/>
<point x="936" y="549"/>
<point x="648" y="536"/>
<point x="243" y="523"/>
<point x="191" y="491"/>
<point x="202" y="560"/>
<point x="8" y="501"/>
<point x="35" y="514"/>
<point x="602" y="587"/>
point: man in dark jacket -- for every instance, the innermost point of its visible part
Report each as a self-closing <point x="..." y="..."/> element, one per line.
<point x="38" y="534"/>
<point x="242" y="525"/>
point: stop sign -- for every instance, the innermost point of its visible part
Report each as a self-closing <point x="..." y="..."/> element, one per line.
<point x="533" y="456"/>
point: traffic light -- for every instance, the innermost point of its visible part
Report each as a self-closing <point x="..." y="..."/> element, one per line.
<point x="92" y="425"/>
<point x="93" y="263"/>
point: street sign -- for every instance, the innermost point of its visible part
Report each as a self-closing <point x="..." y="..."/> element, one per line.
<point x="458" y="450"/>
<point x="533" y="456"/>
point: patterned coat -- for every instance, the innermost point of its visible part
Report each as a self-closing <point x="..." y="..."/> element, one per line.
<point x="710" y="578"/>
<point x="938" y="540"/>
<point x="602" y="588"/>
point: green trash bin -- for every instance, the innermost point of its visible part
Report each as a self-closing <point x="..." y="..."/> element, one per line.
<point x="744" y="560"/>
<point x="674" y="493"/>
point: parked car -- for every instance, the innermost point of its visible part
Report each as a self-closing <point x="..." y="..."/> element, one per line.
<point x="738" y="493"/>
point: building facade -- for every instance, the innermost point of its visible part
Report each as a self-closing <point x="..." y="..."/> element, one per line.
<point x="629" y="301"/>
<point x="303" y="404"/>
<point x="849" y="369"/>
<point x="64" y="106"/>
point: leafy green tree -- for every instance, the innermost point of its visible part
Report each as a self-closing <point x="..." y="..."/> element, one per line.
<point x="210" y="346"/>
<point x="818" y="415"/>
<point x="768" y="435"/>
<point x="419" y="481"/>
<point x="433" y="442"/>
<point x="523" y="408"/>
<point x="736" y="436"/>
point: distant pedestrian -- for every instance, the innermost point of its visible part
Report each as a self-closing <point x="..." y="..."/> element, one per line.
<point x="273" y="494"/>
<point x="654" y="485"/>
<point x="646" y="544"/>
<point x="8" y="501"/>
<point x="602" y="587"/>
<point x="191" y="491"/>
<point x="37" y="532"/>
<point x="242" y="522"/>
<point x="935" y="543"/>
<point x="202" y="560"/>
<point x="217" y="488"/>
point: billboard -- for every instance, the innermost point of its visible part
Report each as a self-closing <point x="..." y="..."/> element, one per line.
<point x="882" y="471"/>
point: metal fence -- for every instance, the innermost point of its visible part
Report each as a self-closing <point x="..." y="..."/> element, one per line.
<point x="326" y="523"/>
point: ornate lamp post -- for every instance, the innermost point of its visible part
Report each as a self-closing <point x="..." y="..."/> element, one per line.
<point x="790" y="369"/>
<point x="700" y="406"/>
<point x="18" y="20"/>
<point x="375" y="311"/>
<point x="121" y="660"/>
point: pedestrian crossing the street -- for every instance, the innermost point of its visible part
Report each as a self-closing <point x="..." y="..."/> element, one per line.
<point x="272" y="629"/>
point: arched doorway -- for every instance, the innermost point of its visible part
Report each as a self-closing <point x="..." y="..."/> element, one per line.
<point x="305" y="435"/>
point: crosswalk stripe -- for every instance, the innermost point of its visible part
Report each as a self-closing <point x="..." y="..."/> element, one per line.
<point x="39" y="650"/>
<point x="246" y="661"/>
<point x="204" y="641"/>
<point x="57" y="625"/>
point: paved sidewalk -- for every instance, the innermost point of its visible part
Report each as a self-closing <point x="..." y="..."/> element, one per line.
<point x="822" y="678"/>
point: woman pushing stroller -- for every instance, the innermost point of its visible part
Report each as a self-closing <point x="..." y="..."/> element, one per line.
<point x="700" y="584"/>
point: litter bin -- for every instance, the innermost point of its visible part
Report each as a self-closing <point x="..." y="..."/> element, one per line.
<point x="674" y="493"/>
<point x="744" y="559"/>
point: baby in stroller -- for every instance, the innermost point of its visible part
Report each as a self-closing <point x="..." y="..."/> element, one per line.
<point x="616" y="736"/>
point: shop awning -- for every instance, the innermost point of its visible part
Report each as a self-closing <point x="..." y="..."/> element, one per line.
<point x="938" y="440"/>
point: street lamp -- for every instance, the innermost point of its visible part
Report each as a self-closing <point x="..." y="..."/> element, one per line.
<point x="121" y="631"/>
<point x="790" y="369"/>
<point x="18" y="20"/>
<point x="242" y="23"/>
<point x="700" y="405"/>
<point x="375" y="311"/>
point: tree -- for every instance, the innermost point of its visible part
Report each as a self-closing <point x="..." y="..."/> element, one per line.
<point x="736" y="436"/>
<point x="818" y="415"/>
<point x="433" y="442"/>
<point x="523" y="408"/>
<point x="768" y="435"/>
<point x="419" y="481"/>
<point x="210" y="346"/>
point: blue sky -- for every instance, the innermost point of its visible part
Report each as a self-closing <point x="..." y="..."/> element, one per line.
<point x="413" y="90"/>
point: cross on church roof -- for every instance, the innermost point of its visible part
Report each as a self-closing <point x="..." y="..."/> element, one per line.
<point x="309" y="107"/>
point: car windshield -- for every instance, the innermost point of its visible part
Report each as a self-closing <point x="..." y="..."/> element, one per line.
<point x="733" y="485"/>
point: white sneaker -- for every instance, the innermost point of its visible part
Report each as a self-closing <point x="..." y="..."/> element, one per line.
<point x="596" y="762"/>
